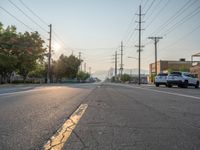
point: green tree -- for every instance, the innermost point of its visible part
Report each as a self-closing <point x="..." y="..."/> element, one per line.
<point x="19" y="52"/>
<point x="183" y="69"/>
<point x="82" y="75"/>
<point x="125" y="77"/>
<point x="66" y="67"/>
<point x="8" y="60"/>
<point x="39" y="71"/>
<point x="30" y="50"/>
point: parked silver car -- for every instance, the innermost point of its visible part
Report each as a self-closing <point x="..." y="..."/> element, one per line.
<point x="182" y="79"/>
<point x="161" y="79"/>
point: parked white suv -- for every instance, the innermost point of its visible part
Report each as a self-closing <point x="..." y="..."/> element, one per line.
<point x="182" y="79"/>
<point x="161" y="79"/>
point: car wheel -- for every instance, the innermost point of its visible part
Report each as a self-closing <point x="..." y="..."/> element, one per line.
<point x="197" y="85"/>
<point x="157" y="85"/>
<point x="185" y="84"/>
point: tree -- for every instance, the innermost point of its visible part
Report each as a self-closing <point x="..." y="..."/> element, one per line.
<point x="125" y="77"/>
<point x="183" y="69"/>
<point x="8" y="60"/>
<point x="82" y="75"/>
<point x="30" y="50"/>
<point x="66" y="67"/>
<point x="19" y="52"/>
<point x="38" y="72"/>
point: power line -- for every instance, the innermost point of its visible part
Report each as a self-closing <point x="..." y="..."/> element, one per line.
<point x="158" y="13"/>
<point x="150" y="6"/>
<point x="19" y="20"/>
<point x="44" y="22"/>
<point x="145" y="3"/>
<point x="182" y="21"/>
<point x="173" y="17"/>
<point x="154" y="9"/>
<point x="182" y="38"/>
<point x="130" y="36"/>
<point x="129" y="32"/>
<point x="27" y="16"/>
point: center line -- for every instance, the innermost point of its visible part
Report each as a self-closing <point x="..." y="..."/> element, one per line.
<point x="58" y="140"/>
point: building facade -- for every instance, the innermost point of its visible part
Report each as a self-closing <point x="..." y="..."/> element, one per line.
<point x="196" y="70"/>
<point x="165" y="66"/>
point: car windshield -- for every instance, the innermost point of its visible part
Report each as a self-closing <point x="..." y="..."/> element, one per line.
<point x="162" y="74"/>
<point x="175" y="75"/>
<point x="189" y="75"/>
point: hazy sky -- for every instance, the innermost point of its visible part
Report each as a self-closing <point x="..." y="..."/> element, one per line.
<point x="96" y="28"/>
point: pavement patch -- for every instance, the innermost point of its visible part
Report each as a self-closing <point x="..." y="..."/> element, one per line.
<point x="58" y="140"/>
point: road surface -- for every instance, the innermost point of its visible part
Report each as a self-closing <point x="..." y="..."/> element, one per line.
<point x="117" y="117"/>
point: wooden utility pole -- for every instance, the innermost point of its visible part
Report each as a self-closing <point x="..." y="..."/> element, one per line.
<point x="156" y="40"/>
<point x="115" y="65"/>
<point x="139" y="44"/>
<point x="121" y="65"/>
<point x="49" y="55"/>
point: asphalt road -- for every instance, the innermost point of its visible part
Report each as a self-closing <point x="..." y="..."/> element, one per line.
<point x="125" y="117"/>
<point x="30" y="115"/>
<point x="118" y="117"/>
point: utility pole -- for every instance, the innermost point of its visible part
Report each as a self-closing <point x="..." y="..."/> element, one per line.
<point x="121" y="65"/>
<point x="156" y="40"/>
<point x="49" y="55"/>
<point x="115" y="65"/>
<point x="79" y="57"/>
<point x="139" y="44"/>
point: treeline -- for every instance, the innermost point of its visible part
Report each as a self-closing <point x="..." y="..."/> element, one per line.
<point x="25" y="54"/>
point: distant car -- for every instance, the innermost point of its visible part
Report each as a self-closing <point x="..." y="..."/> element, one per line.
<point x="161" y="79"/>
<point x="182" y="79"/>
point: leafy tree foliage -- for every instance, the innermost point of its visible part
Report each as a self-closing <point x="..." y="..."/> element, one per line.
<point x="125" y="77"/>
<point x="66" y="67"/>
<point x="82" y="75"/>
<point x="19" y="52"/>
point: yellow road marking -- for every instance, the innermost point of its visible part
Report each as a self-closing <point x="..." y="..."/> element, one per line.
<point x="58" y="140"/>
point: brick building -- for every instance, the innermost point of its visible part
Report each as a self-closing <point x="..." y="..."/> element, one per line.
<point x="168" y="66"/>
<point x="196" y="70"/>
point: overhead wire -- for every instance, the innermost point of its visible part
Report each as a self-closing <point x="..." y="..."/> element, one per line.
<point x="28" y="16"/>
<point x="173" y="17"/>
<point x="153" y="1"/>
<point x="183" y="20"/>
<point x="19" y="20"/>
<point x="158" y="14"/>
<point x="42" y="20"/>
<point x="182" y="38"/>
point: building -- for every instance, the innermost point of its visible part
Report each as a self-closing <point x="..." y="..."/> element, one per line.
<point x="196" y="70"/>
<point x="168" y="66"/>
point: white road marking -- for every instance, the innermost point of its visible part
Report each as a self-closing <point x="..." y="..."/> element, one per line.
<point x="165" y="92"/>
<point x="58" y="140"/>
